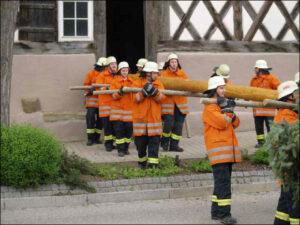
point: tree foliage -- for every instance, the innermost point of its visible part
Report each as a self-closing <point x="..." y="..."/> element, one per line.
<point x="283" y="144"/>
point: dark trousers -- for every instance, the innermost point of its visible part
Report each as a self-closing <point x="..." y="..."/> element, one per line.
<point x="108" y="131"/>
<point x="286" y="214"/>
<point x="221" y="199"/>
<point x="173" y="125"/>
<point x="259" y="126"/>
<point x="123" y="132"/>
<point x="152" y="142"/>
<point x="93" y="123"/>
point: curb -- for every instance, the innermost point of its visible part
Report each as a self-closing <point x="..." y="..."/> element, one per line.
<point x="127" y="196"/>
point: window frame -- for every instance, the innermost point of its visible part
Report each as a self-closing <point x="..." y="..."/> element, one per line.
<point x="90" y="22"/>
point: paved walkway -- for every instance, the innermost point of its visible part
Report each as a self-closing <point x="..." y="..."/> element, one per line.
<point x="194" y="147"/>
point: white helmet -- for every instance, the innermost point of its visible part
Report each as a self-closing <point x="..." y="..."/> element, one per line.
<point x="141" y="62"/>
<point x="161" y="65"/>
<point x="111" y="59"/>
<point x="286" y="88"/>
<point x="215" y="82"/>
<point x="297" y="77"/>
<point x="261" y="64"/>
<point x="172" y="56"/>
<point x="101" y="61"/>
<point x="150" y="67"/>
<point x="123" y="65"/>
<point x="223" y="70"/>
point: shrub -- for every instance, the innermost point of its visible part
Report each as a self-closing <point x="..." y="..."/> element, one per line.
<point x="30" y="156"/>
<point x="202" y="166"/>
<point x="261" y="156"/>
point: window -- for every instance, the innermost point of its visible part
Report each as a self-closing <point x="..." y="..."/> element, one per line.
<point x="75" y="20"/>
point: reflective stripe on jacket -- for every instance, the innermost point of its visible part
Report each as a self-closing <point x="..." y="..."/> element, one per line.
<point x="91" y="100"/>
<point x="147" y="111"/>
<point x="105" y="77"/>
<point x="167" y="106"/>
<point x="220" y="139"/>
<point x="267" y="81"/>
<point x="121" y="107"/>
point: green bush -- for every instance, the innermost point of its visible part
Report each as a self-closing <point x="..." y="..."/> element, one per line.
<point x="261" y="156"/>
<point x="30" y="156"/>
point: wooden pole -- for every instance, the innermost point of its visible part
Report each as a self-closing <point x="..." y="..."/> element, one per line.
<point x="278" y="104"/>
<point x="267" y="103"/>
<point x="166" y="92"/>
<point x="72" y="88"/>
<point x="196" y="86"/>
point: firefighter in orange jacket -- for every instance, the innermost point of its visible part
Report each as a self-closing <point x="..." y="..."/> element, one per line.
<point x="147" y="125"/>
<point x="285" y="213"/>
<point x="174" y="108"/>
<point x="222" y="147"/>
<point x="93" y="121"/>
<point x="107" y="77"/>
<point x="263" y="79"/>
<point x="121" y="109"/>
<point x="140" y="64"/>
<point x="224" y="71"/>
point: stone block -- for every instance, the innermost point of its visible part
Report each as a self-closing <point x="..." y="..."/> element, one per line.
<point x="239" y="174"/>
<point x="253" y="173"/>
<point x="163" y="180"/>
<point x="168" y="185"/>
<point x="174" y="185"/>
<point x="156" y="180"/>
<point x="260" y="173"/>
<point x="132" y="181"/>
<point x="197" y="183"/>
<point x="116" y="183"/>
<point x="144" y="186"/>
<point x="124" y="182"/>
<point x="190" y="183"/>
<point x="4" y="189"/>
<point x="187" y="177"/>
<point x="101" y="184"/>
<point x="233" y="174"/>
<point x="178" y="178"/>
<point x="93" y="184"/>
<point x="246" y="174"/>
<point x="140" y="181"/>
<point x="120" y="188"/>
<point x="152" y="186"/>
<point x="31" y="105"/>
<point x="183" y="184"/>
<point x="171" y="179"/>
<point x="148" y="180"/>
<point x="108" y="183"/>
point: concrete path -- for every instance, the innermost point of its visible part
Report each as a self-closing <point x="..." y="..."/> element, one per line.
<point x="248" y="208"/>
<point x="194" y="147"/>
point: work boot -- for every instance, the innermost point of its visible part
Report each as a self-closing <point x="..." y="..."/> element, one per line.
<point x="89" y="142"/>
<point x="126" y="149"/>
<point x="142" y="165"/>
<point x="108" y="146"/>
<point x="164" y="143"/>
<point x="97" y="142"/>
<point x="228" y="220"/>
<point x="259" y="144"/>
<point x="174" y="147"/>
<point x="215" y="218"/>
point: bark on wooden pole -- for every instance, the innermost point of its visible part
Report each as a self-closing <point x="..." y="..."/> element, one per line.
<point x="278" y="104"/>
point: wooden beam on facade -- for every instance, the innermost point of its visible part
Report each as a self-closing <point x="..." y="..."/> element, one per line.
<point x="285" y="28"/>
<point x="237" y="20"/>
<point x="100" y="28"/>
<point x="37" y="5"/>
<point x="212" y="28"/>
<point x="258" y="20"/>
<point x="189" y="26"/>
<point x="289" y="20"/>
<point x="250" y="10"/>
<point x="217" y="19"/>
<point x="185" y="20"/>
<point x="228" y="46"/>
<point x="37" y="29"/>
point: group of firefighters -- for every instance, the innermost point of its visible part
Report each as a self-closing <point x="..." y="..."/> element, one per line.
<point x="156" y="119"/>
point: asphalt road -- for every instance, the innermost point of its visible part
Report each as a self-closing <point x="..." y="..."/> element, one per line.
<point x="248" y="208"/>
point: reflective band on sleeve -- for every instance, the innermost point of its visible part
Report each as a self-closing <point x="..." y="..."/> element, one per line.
<point x="227" y="118"/>
<point x="138" y="97"/>
<point x="114" y="96"/>
<point x="175" y="137"/>
<point x="159" y="97"/>
<point x="120" y="141"/>
<point x="143" y="159"/>
<point x="154" y="124"/>
<point x="214" y="198"/>
<point x="98" y="131"/>
<point x="184" y="110"/>
<point x="294" y="221"/>
<point x="225" y="156"/>
<point x="127" y="117"/>
<point x="104" y="107"/>
<point x="154" y="131"/>
<point x="127" y="140"/>
<point x="224" y="202"/>
<point x="167" y="110"/>
<point x="183" y="105"/>
<point x="108" y="138"/>
<point x="139" y="130"/>
<point x="166" y="105"/>
<point x="116" y="111"/>
<point x="92" y="103"/>
<point x="222" y="149"/>
<point x="115" y="116"/>
<point x="282" y="216"/>
<point x="260" y="137"/>
<point x="153" y="160"/>
<point x="139" y="125"/>
<point x="127" y="112"/>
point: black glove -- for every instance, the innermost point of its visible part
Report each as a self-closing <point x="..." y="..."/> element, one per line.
<point x="222" y="102"/>
<point x="145" y="93"/>
<point x="154" y="92"/>
<point x="91" y="91"/>
<point x="230" y="106"/>
<point x="121" y="92"/>
<point x="233" y="118"/>
<point x="149" y="88"/>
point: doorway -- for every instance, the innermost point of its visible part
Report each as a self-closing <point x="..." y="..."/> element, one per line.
<point x="125" y="31"/>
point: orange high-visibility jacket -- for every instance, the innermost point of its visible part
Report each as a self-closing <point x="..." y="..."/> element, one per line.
<point x="220" y="139"/>
<point x="146" y="110"/>
<point x="286" y="114"/>
<point x="121" y="107"/>
<point x="105" y="77"/>
<point x="168" y="104"/>
<point x="91" y="100"/>
<point x="267" y="81"/>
